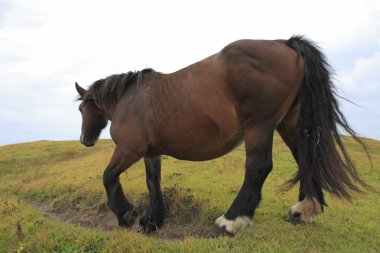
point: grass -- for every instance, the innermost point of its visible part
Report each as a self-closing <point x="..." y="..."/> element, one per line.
<point x="41" y="182"/>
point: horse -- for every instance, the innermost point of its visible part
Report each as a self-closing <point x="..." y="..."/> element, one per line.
<point x="245" y="92"/>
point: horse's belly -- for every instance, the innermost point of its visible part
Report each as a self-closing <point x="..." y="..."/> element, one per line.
<point x="202" y="136"/>
<point x="201" y="154"/>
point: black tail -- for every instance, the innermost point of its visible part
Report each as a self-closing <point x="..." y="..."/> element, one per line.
<point x="322" y="158"/>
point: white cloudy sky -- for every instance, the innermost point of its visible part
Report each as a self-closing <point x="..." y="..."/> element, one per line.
<point x="45" y="46"/>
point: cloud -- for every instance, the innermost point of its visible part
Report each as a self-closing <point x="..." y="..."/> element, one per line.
<point x="360" y="83"/>
<point x="45" y="46"/>
<point x="363" y="80"/>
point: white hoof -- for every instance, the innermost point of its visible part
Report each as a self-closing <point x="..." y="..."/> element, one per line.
<point x="234" y="226"/>
<point x="307" y="208"/>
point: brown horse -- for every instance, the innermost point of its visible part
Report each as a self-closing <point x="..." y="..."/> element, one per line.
<point x="245" y="92"/>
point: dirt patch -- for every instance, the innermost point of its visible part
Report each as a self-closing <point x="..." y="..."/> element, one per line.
<point x="183" y="217"/>
<point x="101" y="219"/>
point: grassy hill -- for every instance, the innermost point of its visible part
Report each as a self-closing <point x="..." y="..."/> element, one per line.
<point x="52" y="200"/>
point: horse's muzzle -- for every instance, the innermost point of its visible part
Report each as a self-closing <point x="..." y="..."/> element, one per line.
<point x="87" y="142"/>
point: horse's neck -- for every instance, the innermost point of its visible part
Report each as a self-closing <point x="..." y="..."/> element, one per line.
<point x="109" y="110"/>
<point x="109" y="116"/>
<point x="108" y="106"/>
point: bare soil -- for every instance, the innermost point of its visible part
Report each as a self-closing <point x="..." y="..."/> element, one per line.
<point x="174" y="228"/>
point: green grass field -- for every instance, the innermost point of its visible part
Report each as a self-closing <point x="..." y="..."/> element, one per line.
<point x="52" y="200"/>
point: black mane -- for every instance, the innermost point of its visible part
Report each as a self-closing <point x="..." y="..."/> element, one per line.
<point x="106" y="92"/>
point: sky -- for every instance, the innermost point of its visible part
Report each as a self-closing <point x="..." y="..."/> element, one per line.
<point x="46" y="46"/>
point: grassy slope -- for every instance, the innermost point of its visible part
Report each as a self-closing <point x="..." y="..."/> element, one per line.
<point x="65" y="175"/>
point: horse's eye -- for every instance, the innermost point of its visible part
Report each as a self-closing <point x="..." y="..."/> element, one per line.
<point x="89" y="100"/>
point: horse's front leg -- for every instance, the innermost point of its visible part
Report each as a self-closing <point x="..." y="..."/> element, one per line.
<point x="258" y="142"/>
<point x="121" y="160"/>
<point x="156" y="210"/>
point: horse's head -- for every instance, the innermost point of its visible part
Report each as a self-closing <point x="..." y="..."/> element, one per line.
<point x="93" y="117"/>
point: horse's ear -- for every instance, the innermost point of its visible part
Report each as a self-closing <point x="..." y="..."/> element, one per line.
<point x="80" y="90"/>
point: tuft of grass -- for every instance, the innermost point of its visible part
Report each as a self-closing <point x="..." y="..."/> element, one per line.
<point x="52" y="198"/>
<point x="180" y="203"/>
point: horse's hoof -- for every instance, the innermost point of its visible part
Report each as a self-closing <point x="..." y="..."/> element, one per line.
<point x="217" y="231"/>
<point x="148" y="224"/>
<point x="128" y="219"/>
<point x="294" y="218"/>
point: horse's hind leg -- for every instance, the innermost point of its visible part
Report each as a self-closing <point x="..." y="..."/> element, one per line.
<point x="156" y="210"/>
<point x="307" y="206"/>
<point x="258" y="142"/>
<point x="121" y="160"/>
